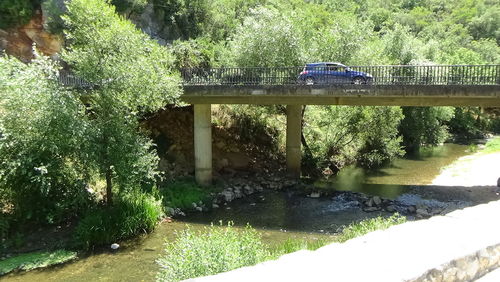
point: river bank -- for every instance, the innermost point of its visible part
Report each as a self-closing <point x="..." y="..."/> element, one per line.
<point x="278" y="213"/>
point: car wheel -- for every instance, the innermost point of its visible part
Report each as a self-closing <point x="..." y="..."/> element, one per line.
<point x="309" y="81"/>
<point x="358" y="80"/>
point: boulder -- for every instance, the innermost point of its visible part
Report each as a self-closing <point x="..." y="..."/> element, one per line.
<point x="227" y="195"/>
<point x="412" y="209"/>
<point x="238" y="194"/>
<point x="390" y="208"/>
<point x="498" y="182"/>
<point x="314" y="195"/>
<point x="423" y="213"/>
<point x="377" y="201"/>
<point x="248" y="190"/>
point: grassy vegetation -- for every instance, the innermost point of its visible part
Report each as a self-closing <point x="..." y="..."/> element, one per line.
<point x="369" y="225"/>
<point x="34" y="260"/>
<point x="222" y="249"/>
<point x="183" y="193"/>
<point x="131" y="215"/>
<point x="216" y="250"/>
<point x="492" y="146"/>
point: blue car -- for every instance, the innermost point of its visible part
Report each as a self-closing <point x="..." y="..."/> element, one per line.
<point x="332" y="73"/>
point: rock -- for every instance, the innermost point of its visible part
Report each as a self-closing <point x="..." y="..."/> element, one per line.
<point x="222" y="163"/>
<point x="238" y="194"/>
<point x="115" y="246"/>
<point x="377" y="201"/>
<point x="259" y="188"/>
<point x="215" y="206"/>
<point x="200" y="209"/>
<point x="170" y="211"/>
<point x="248" y="190"/>
<point x="411" y="209"/>
<point x="194" y="205"/>
<point x="422" y="213"/>
<point x="227" y="195"/>
<point x="369" y="203"/>
<point x="498" y="182"/>
<point x="314" y="195"/>
<point x="390" y="208"/>
<point x="220" y="145"/>
<point x="370" y="209"/>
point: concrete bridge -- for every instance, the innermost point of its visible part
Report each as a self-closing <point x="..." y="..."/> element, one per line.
<point x="380" y="86"/>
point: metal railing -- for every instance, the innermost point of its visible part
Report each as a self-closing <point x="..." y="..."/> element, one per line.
<point x="374" y="75"/>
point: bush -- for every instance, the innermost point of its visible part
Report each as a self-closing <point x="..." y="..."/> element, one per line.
<point x="132" y="214"/>
<point x="43" y="175"/>
<point x="214" y="251"/>
<point x="183" y="193"/>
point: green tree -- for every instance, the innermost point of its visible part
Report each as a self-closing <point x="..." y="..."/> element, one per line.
<point x="267" y="38"/>
<point x="43" y="138"/>
<point x="424" y="126"/>
<point x="132" y="75"/>
<point x="185" y="18"/>
<point x="345" y="135"/>
<point x="15" y="12"/>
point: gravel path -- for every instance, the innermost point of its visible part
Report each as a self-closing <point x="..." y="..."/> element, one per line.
<point x="474" y="170"/>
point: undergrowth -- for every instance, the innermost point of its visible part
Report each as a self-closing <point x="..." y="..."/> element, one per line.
<point x="183" y="193"/>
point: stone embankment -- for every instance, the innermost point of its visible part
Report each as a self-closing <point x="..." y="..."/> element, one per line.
<point x="460" y="246"/>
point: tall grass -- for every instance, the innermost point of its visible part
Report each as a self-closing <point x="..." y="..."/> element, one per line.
<point x="492" y="146"/>
<point x="216" y="250"/>
<point x="132" y="214"/>
<point x="219" y="249"/>
<point x="368" y="225"/>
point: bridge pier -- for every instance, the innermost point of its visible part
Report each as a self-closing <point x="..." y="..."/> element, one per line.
<point x="293" y="142"/>
<point x="203" y="143"/>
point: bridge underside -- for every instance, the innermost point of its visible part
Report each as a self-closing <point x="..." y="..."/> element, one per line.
<point x="294" y="96"/>
<point x="356" y="95"/>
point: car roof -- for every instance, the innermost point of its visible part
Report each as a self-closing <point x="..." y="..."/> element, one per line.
<point x="323" y="63"/>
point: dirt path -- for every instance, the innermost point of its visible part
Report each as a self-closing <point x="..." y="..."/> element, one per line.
<point x="474" y="170"/>
<point x="472" y="179"/>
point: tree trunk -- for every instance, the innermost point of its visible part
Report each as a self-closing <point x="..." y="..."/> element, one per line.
<point x="109" y="187"/>
<point x="302" y="137"/>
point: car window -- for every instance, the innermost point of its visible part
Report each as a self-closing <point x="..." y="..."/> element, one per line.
<point x="332" y="67"/>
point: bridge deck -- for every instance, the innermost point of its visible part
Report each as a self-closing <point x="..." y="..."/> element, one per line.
<point x="345" y="94"/>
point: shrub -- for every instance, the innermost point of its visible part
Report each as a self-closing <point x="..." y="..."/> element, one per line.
<point x="216" y="250"/>
<point x="42" y="143"/>
<point x="132" y="214"/>
<point x="369" y="225"/>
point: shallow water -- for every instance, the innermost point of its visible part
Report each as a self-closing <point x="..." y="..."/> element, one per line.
<point x="400" y="176"/>
<point x="277" y="216"/>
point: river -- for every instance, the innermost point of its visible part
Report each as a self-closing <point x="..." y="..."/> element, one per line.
<point x="276" y="215"/>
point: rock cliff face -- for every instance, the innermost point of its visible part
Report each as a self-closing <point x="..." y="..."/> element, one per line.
<point x="19" y="41"/>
